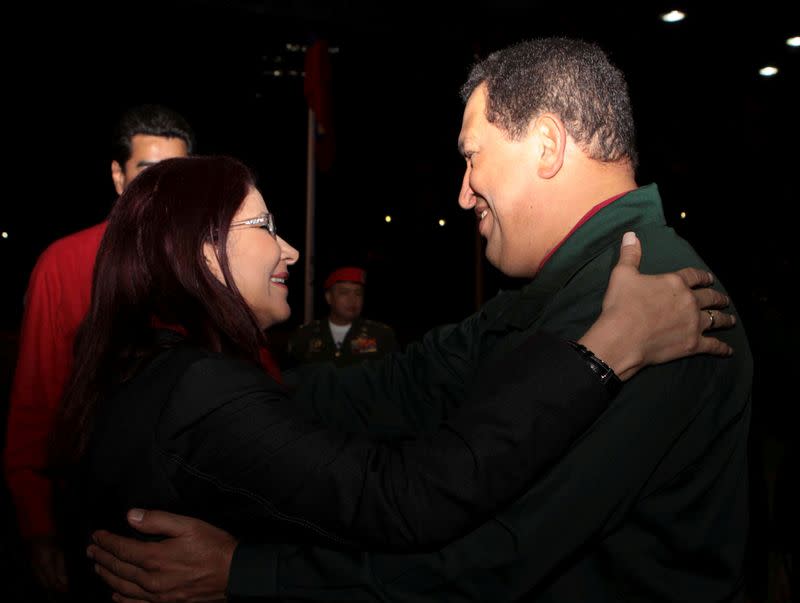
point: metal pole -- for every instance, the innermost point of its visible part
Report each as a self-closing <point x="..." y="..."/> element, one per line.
<point x="478" y="250"/>
<point x="310" y="202"/>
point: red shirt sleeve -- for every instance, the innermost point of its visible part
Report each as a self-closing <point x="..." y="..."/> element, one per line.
<point x="56" y="302"/>
<point x="43" y="365"/>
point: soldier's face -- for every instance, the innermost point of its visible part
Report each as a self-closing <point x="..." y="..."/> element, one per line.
<point x="346" y="301"/>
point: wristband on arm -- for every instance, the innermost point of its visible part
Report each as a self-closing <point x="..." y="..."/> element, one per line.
<point x="608" y="378"/>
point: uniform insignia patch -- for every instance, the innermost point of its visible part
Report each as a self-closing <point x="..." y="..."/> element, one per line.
<point x="364" y="345"/>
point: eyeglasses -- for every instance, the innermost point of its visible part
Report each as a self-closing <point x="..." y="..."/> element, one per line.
<point x="265" y="221"/>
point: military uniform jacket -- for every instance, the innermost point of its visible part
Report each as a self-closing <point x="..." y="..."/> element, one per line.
<point x="366" y="339"/>
<point x="649" y="505"/>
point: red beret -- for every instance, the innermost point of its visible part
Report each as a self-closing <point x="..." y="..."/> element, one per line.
<point x="349" y="273"/>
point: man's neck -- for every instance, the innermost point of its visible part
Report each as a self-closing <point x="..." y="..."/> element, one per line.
<point x="576" y="193"/>
<point x="339" y="321"/>
<point x="593" y="182"/>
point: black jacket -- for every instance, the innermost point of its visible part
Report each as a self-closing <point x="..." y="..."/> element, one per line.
<point x="211" y="436"/>
<point x="366" y="340"/>
<point x="650" y="504"/>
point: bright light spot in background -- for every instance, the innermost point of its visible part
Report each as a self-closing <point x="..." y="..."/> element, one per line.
<point x="673" y="16"/>
<point x="388" y="219"/>
<point x="4" y="235"/>
<point x="441" y="222"/>
<point x="793" y="41"/>
<point x="683" y="215"/>
<point x="768" y="71"/>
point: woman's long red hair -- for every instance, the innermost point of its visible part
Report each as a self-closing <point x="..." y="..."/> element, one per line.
<point x="151" y="266"/>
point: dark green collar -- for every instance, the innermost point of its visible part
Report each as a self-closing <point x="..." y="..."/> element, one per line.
<point x="632" y="211"/>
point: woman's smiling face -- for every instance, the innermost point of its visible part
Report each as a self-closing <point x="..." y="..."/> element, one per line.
<point x="258" y="261"/>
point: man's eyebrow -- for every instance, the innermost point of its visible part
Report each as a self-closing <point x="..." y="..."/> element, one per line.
<point x="466" y="141"/>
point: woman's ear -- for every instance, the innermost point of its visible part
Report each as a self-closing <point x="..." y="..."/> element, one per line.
<point x="212" y="260"/>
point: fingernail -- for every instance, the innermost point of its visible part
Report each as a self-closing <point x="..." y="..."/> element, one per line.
<point x="629" y="238"/>
<point x="90" y="553"/>
<point x="710" y="276"/>
<point x="733" y="319"/>
<point x="136" y="515"/>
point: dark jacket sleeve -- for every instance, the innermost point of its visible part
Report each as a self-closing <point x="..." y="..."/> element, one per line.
<point x="587" y="496"/>
<point x="296" y="346"/>
<point x="238" y="450"/>
<point x="389" y="343"/>
<point x="416" y="387"/>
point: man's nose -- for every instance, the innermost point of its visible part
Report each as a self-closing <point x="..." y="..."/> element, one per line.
<point x="466" y="197"/>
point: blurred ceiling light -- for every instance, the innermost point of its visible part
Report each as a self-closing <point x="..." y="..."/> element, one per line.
<point x="4" y="235"/>
<point x="768" y="71"/>
<point x="388" y="219"/>
<point x="794" y="41"/>
<point x="683" y="215"/>
<point x="442" y="222"/>
<point x="673" y="16"/>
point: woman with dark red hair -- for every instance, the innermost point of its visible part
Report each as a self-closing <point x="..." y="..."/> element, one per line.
<point x="168" y="407"/>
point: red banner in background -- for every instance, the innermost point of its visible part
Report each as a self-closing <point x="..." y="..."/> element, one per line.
<point x="317" y="88"/>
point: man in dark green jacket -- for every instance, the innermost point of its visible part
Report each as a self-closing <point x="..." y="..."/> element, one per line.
<point x="651" y="503"/>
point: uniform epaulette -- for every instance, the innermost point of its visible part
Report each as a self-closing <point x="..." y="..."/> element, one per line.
<point x="375" y="324"/>
<point x="309" y="325"/>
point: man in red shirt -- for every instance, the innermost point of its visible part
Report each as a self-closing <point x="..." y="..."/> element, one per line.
<point x="56" y="301"/>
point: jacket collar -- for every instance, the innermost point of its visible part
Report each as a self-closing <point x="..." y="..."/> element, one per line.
<point x="632" y="211"/>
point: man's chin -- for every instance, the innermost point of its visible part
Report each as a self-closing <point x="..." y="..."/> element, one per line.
<point x="508" y="267"/>
<point x="494" y="257"/>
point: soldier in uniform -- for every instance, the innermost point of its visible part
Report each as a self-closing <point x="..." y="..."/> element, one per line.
<point x="344" y="337"/>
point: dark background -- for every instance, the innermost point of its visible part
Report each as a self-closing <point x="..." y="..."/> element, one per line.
<point x="720" y="140"/>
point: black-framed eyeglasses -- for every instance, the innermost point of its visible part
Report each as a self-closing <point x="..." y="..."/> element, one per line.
<point x="265" y="221"/>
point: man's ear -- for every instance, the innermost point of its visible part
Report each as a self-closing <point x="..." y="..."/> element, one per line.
<point x="328" y="296"/>
<point x="210" y="254"/>
<point x="118" y="176"/>
<point x="552" y="135"/>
